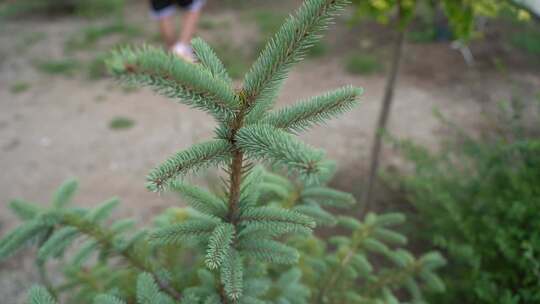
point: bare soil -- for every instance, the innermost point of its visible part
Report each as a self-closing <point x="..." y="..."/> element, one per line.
<point x="59" y="127"/>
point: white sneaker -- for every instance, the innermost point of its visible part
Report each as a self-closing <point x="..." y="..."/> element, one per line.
<point x="184" y="51"/>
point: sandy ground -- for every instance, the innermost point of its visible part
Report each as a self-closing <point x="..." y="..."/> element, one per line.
<point x="59" y="128"/>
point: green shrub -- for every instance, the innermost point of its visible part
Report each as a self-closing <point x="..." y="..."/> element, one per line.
<point x="252" y="241"/>
<point x="479" y="201"/>
<point x="362" y="64"/>
<point x="527" y="40"/>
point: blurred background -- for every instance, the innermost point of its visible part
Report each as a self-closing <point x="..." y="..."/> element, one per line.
<point x="462" y="102"/>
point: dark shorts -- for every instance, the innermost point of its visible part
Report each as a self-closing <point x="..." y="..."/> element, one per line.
<point x="163" y="8"/>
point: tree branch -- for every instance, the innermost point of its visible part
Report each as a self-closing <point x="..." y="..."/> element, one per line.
<point x="104" y="238"/>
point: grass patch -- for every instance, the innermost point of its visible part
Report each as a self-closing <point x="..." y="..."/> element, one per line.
<point x="90" y="36"/>
<point x="19" y="87"/>
<point x="426" y="35"/>
<point x="129" y="88"/>
<point x="209" y="24"/>
<point x="28" y="40"/>
<point x="84" y="8"/>
<point x="233" y="59"/>
<point x="499" y="65"/>
<point x="99" y="8"/>
<point x="362" y="64"/>
<point x="268" y="22"/>
<point x="96" y="68"/>
<point x="121" y="123"/>
<point x="58" y="67"/>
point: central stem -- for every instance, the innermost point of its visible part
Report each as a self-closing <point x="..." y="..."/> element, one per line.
<point x="236" y="180"/>
<point x="235" y="177"/>
<point x="236" y="167"/>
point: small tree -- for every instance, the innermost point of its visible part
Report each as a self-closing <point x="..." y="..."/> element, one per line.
<point x="461" y="15"/>
<point x="230" y="247"/>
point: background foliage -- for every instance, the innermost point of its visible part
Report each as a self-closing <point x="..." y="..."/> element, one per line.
<point x="478" y="200"/>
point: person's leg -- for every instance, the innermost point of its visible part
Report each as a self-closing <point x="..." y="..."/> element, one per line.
<point x="166" y="28"/>
<point x="189" y="25"/>
<point x="163" y="11"/>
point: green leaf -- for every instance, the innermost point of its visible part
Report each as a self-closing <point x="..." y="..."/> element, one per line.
<point x="304" y="115"/>
<point x="177" y="233"/>
<point x="24" y="210"/>
<point x="269" y="251"/>
<point x="276" y="215"/>
<point x="349" y="222"/>
<point x="390" y="219"/>
<point x="84" y="253"/>
<point x="232" y="275"/>
<point x="288" y="46"/>
<point x="107" y="299"/>
<point x="147" y="289"/>
<point x="267" y="143"/>
<point x="201" y="200"/>
<point x="19" y="237"/>
<point x="361" y="263"/>
<point x="57" y="243"/>
<point x="103" y="210"/>
<point x="250" y="187"/>
<point x="389" y="236"/>
<point x="209" y="60"/>
<point x="170" y="76"/>
<point x="265" y="222"/>
<point x="219" y="245"/>
<point x="375" y="246"/>
<point x="65" y="193"/>
<point x="320" y="216"/>
<point x="432" y="280"/>
<point x="40" y="295"/>
<point x="326" y="196"/>
<point x="197" y="157"/>
<point x="432" y="260"/>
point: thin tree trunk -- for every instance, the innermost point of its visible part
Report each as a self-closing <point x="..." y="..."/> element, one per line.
<point x="235" y="177"/>
<point x="383" y="120"/>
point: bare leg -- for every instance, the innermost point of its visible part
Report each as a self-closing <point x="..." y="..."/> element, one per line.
<point x="189" y="25"/>
<point x="166" y="27"/>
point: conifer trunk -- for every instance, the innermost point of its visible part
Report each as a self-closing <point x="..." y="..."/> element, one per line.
<point x="236" y="179"/>
<point x="383" y="117"/>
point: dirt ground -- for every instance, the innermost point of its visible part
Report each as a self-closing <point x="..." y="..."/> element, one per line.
<point x="59" y="127"/>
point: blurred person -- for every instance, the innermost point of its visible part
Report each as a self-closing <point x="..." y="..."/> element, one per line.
<point x="164" y="10"/>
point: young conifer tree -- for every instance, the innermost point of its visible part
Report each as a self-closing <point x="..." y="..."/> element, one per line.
<point x="236" y="229"/>
<point x="229" y="247"/>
